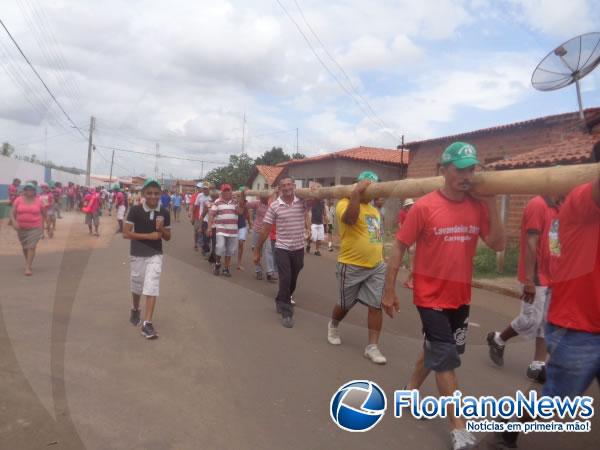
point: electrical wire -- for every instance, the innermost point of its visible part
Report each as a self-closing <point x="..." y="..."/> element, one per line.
<point x="42" y="80"/>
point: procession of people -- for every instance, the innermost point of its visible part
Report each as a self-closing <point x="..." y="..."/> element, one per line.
<point x="437" y="237"/>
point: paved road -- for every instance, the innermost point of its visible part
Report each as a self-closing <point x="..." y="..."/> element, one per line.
<point x="224" y="374"/>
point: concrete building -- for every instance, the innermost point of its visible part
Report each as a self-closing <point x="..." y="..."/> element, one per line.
<point x="263" y="177"/>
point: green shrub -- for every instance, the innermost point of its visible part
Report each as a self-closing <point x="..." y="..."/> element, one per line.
<point x="485" y="262"/>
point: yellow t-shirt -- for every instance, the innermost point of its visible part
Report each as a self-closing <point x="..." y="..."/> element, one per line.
<point x="361" y="243"/>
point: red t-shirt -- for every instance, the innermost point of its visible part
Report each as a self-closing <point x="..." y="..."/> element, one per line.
<point x="29" y="215"/>
<point x="13" y="193"/>
<point x="196" y="210"/>
<point x="541" y="218"/>
<point x="402" y="216"/>
<point x="446" y="233"/>
<point x="575" y="302"/>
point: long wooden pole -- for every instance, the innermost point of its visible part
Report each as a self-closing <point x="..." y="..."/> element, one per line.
<point x="546" y="180"/>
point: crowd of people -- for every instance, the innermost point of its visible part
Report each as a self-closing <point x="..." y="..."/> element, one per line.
<point x="437" y="237"/>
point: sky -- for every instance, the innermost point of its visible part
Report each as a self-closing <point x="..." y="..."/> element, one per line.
<point x="321" y="75"/>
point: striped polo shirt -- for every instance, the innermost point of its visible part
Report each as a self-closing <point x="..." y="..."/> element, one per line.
<point x="225" y="217"/>
<point x="289" y="220"/>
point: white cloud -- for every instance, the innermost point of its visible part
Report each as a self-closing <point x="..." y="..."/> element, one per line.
<point x="559" y="18"/>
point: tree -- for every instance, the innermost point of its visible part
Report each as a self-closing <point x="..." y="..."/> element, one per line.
<point x="235" y="173"/>
<point x="298" y="156"/>
<point x="7" y="149"/>
<point x="272" y="157"/>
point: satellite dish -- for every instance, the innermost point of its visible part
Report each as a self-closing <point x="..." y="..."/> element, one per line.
<point x="568" y="63"/>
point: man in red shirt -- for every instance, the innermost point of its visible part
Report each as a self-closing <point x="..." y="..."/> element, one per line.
<point x="539" y="238"/>
<point x="445" y="225"/>
<point x="573" y="330"/>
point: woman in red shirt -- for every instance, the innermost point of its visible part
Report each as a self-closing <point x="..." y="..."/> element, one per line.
<point x="28" y="216"/>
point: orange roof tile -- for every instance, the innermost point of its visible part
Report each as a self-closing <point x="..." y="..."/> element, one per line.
<point x="269" y="172"/>
<point x="592" y="117"/>
<point x="382" y="155"/>
<point x="574" y="150"/>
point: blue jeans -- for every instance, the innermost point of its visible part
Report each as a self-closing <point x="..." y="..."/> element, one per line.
<point x="574" y="361"/>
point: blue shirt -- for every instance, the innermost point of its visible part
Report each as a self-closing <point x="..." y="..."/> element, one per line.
<point x="165" y="200"/>
<point x="177" y="200"/>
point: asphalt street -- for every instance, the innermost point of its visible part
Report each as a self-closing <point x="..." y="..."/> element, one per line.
<point x="224" y="373"/>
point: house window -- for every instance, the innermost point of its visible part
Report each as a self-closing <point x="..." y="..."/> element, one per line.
<point x="266" y="186"/>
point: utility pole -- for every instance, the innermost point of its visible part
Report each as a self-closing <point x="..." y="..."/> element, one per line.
<point x="202" y="170"/>
<point x="296" y="140"/>
<point x="46" y="144"/>
<point x="89" y="157"/>
<point x="244" y="133"/>
<point x="156" y="163"/>
<point x="112" y="160"/>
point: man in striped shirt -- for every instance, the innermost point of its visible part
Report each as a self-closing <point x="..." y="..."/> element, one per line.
<point x="286" y="212"/>
<point x="224" y="217"/>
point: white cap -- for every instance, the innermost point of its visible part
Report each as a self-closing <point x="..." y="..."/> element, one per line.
<point x="408" y="202"/>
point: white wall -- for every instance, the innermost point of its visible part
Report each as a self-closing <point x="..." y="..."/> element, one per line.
<point x="11" y="168"/>
<point x="259" y="182"/>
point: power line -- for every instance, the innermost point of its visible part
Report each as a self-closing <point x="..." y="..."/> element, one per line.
<point x="334" y="76"/>
<point x="42" y="81"/>
<point x="348" y="79"/>
<point x="160" y="155"/>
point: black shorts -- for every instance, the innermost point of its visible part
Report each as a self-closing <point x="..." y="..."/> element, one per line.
<point x="445" y="332"/>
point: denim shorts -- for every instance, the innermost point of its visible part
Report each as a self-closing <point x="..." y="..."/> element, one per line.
<point x="574" y="361"/>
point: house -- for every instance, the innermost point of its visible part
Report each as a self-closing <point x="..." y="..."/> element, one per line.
<point x="185" y="186"/>
<point x="263" y="177"/>
<point x="540" y="142"/>
<point x="344" y="166"/>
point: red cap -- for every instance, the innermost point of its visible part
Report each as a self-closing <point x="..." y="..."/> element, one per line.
<point x="225" y="187"/>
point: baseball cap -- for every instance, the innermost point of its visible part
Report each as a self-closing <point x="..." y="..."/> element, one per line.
<point x="29" y="185"/>
<point x="461" y="154"/>
<point x="241" y="188"/>
<point x="200" y="184"/>
<point x="150" y="181"/>
<point x="408" y="202"/>
<point x="225" y="187"/>
<point x="368" y="175"/>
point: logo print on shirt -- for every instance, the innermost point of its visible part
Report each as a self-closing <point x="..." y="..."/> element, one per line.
<point x="374" y="228"/>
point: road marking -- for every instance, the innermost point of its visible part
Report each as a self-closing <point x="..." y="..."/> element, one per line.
<point x="475" y="324"/>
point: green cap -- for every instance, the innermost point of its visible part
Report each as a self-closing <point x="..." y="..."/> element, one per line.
<point x="461" y="154"/>
<point x="150" y="181"/>
<point x="368" y="175"/>
<point x="29" y="185"/>
<point x="115" y="187"/>
<point x="241" y="188"/>
<point x="51" y="183"/>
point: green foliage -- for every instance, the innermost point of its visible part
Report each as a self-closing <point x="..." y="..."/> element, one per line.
<point x="485" y="265"/>
<point x="298" y="156"/>
<point x="272" y="157"/>
<point x="7" y="149"/>
<point x="235" y="173"/>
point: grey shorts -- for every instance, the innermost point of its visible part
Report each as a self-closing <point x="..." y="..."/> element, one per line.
<point x="360" y="284"/>
<point x="226" y="245"/>
<point x="92" y="218"/>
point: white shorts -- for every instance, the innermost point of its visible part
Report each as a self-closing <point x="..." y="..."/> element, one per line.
<point x="243" y="234"/>
<point x="121" y="212"/>
<point x="226" y="245"/>
<point x="531" y="320"/>
<point x="317" y="233"/>
<point x="145" y="274"/>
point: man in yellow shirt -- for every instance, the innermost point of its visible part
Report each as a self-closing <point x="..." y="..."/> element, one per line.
<point x="360" y="267"/>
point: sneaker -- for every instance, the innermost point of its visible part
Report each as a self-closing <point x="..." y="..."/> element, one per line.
<point x="308" y="249"/>
<point x="317" y="253"/>
<point x="330" y="249"/>
<point x="148" y="331"/>
<point x="292" y="300"/>
<point x="226" y="272"/>
<point x="372" y="352"/>
<point x="272" y="277"/>
<point x="333" y="334"/>
<point x="537" y="372"/>
<point x="287" y="321"/>
<point x="496" y="351"/>
<point x="217" y="269"/>
<point x="134" y="317"/>
<point x="462" y="440"/>
<point x="259" y="276"/>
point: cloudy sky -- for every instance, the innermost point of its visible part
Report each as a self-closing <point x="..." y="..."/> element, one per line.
<point x="183" y="73"/>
